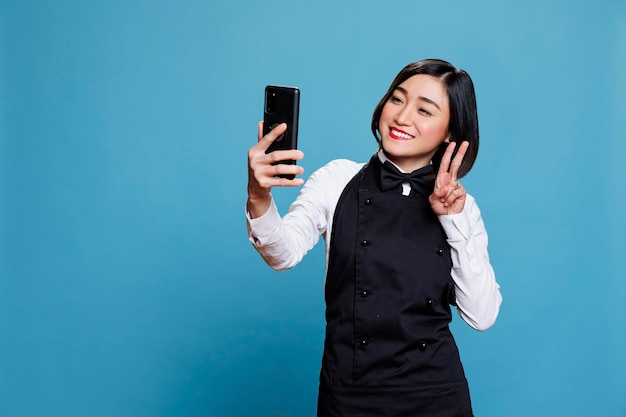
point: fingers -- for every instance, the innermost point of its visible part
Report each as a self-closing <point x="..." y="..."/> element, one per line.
<point x="449" y="199"/>
<point x="447" y="182"/>
<point x="271" y="136"/>
<point x="452" y="165"/>
<point x="458" y="159"/>
<point x="449" y="195"/>
<point x="444" y="166"/>
<point x="259" y="160"/>
<point x="267" y="175"/>
<point x="264" y="169"/>
<point x="454" y="192"/>
<point x="446" y="187"/>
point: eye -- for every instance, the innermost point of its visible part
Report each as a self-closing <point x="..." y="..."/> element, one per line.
<point x="395" y="100"/>
<point x="424" y="112"/>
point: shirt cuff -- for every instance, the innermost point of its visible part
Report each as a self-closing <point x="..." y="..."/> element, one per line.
<point x="264" y="225"/>
<point x="456" y="226"/>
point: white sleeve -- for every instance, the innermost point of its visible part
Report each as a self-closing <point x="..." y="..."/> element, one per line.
<point x="283" y="242"/>
<point x="478" y="295"/>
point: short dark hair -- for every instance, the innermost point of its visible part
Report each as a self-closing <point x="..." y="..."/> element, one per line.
<point x="463" y="124"/>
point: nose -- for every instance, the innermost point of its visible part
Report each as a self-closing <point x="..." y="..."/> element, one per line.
<point x="402" y="116"/>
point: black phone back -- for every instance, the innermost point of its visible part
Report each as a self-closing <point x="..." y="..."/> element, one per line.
<point x="282" y="105"/>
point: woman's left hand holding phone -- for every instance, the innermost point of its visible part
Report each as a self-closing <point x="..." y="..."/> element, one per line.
<point x="262" y="170"/>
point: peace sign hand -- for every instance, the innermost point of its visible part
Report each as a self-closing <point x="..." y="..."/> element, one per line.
<point x="449" y="195"/>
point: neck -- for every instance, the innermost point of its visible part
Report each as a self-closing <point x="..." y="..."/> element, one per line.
<point x="406" y="165"/>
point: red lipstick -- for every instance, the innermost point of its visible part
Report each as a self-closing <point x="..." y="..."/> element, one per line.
<point x="399" y="134"/>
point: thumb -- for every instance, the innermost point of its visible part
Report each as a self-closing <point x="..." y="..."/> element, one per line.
<point x="273" y="134"/>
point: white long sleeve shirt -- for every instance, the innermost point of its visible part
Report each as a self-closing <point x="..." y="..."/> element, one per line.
<point x="283" y="242"/>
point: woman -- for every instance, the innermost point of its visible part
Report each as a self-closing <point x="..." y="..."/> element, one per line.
<point x="404" y="242"/>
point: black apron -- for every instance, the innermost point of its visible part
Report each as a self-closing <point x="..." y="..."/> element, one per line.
<point x="388" y="349"/>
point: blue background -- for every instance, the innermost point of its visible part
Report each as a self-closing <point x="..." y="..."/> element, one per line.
<point x="127" y="284"/>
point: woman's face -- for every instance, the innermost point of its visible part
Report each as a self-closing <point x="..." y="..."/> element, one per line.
<point x="414" y="121"/>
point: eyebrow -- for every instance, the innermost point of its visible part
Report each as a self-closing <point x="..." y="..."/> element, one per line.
<point x="426" y="99"/>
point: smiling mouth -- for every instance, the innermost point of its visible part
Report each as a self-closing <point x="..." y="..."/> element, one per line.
<point x="399" y="134"/>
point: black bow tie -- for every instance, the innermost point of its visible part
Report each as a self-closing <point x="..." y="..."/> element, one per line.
<point x="421" y="180"/>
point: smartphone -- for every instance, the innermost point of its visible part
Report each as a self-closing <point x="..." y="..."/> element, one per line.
<point x="282" y="105"/>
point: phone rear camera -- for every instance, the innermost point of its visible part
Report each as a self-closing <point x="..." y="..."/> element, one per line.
<point x="270" y="102"/>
